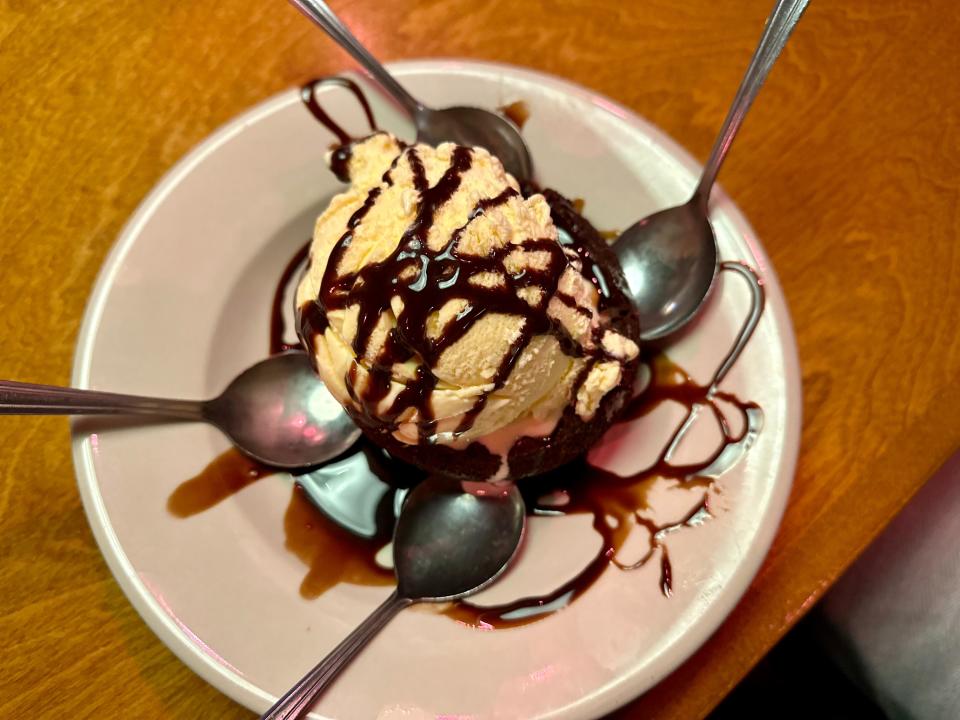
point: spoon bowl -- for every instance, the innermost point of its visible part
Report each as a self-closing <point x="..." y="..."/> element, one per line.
<point x="472" y="127"/>
<point x="454" y="539"/>
<point x="280" y="412"/>
<point x="669" y="260"/>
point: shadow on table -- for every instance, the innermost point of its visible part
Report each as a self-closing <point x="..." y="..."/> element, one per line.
<point x="808" y="674"/>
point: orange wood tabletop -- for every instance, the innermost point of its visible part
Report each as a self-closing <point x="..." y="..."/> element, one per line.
<point x="848" y="167"/>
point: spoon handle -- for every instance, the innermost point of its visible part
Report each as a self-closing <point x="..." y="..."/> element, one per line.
<point x="322" y="15"/>
<point x="779" y="25"/>
<point x="296" y="703"/>
<point x="17" y="398"/>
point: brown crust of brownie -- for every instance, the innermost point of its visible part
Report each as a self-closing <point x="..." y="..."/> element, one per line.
<point x="572" y="436"/>
<point x="474" y="462"/>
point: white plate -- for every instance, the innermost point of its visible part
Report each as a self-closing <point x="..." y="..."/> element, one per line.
<point x="182" y="305"/>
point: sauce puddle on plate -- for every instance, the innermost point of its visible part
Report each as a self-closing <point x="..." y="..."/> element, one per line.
<point x="614" y="502"/>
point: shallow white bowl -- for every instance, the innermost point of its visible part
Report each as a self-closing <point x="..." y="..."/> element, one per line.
<point x="181" y="306"/>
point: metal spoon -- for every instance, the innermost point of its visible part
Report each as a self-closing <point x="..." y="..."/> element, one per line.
<point x="451" y="540"/>
<point x="278" y="411"/>
<point x="670" y="258"/>
<point x="463" y="125"/>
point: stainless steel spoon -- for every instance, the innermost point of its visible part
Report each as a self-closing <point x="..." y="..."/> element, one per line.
<point x="278" y="411"/>
<point x="463" y="125"/>
<point x="669" y="258"/>
<point x="451" y="540"/>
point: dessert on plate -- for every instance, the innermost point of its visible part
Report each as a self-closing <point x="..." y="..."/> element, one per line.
<point x="468" y="325"/>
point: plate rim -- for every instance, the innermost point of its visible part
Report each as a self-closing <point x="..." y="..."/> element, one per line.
<point x="188" y="648"/>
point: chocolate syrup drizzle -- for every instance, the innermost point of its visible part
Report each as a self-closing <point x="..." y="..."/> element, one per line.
<point x="341" y="150"/>
<point x="277" y="324"/>
<point x="425" y="280"/>
<point x="517" y="112"/>
<point x="438" y="277"/>
<point x="584" y="487"/>
<point x="605" y="495"/>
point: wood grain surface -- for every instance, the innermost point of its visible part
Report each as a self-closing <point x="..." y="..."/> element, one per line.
<point x="848" y="167"/>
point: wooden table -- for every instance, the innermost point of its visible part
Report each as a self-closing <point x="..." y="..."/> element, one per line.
<point x="848" y="167"/>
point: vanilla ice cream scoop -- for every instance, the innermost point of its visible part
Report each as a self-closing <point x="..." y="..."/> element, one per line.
<point x="443" y="311"/>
